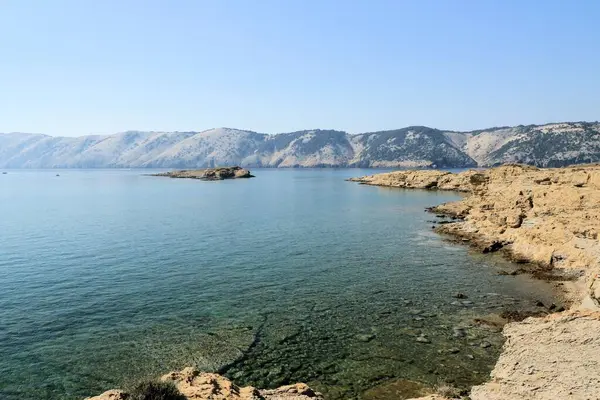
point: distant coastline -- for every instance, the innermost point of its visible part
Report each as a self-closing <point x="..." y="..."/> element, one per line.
<point x="549" y="145"/>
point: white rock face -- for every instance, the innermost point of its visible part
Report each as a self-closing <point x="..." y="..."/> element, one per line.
<point x="480" y="146"/>
<point x="417" y="146"/>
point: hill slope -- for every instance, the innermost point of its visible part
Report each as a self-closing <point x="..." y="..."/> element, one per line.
<point x="416" y="146"/>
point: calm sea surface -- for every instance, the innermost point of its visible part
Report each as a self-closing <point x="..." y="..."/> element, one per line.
<point x="109" y="276"/>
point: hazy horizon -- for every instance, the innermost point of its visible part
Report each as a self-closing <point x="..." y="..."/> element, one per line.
<point x="300" y="130"/>
<point x="74" y="68"/>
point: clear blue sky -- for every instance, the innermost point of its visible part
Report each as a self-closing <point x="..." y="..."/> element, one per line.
<point x="79" y="67"/>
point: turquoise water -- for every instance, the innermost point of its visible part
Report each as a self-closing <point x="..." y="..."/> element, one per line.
<point x="108" y="276"/>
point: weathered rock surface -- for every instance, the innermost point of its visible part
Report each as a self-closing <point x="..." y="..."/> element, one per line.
<point x="210" y="174"/>
<point x="110" y="395"/>
<point x="551" y="218"/>
<point x="556" y="357"/>
<point x="197" y="385"/>
<point x="419" y="179"/>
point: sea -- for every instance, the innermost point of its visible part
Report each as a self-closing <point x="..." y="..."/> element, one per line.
<point x="109" y="277"/>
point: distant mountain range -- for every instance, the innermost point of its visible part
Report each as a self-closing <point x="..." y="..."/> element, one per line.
<point x="549" y="145"/>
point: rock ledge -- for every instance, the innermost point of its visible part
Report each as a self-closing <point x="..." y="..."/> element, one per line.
<point x="197" y="385"/>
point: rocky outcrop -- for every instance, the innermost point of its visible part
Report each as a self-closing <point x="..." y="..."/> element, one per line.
<point x="420" y="179"/>
<point x="197" y="385"/>
<point x="111" y="395"/>
<point x="210" y="174"/>
<point x="556" y="357"/>
<point x="549" y="218"/>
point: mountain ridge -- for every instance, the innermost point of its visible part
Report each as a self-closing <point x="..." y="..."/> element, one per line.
<point x="553" y="144"/>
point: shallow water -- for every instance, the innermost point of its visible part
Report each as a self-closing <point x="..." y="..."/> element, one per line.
<point x="108" y="276"/>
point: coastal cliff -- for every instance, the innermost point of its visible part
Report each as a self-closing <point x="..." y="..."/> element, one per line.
<point x="550" y="219"/>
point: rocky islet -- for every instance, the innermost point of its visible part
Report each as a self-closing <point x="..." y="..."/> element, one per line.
<point x="209" y="174"/>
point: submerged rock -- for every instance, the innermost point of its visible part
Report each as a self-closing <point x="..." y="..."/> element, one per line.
<point x="459" y="332"/>
<point x="365" y="337"/>
<point x="422" y="339"/>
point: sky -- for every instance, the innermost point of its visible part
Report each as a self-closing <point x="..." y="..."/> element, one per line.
<point x="80" y="67"/>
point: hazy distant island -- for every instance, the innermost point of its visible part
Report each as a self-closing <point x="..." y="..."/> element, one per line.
<point x="549" y="145"/>
<point x="209" y="174"/>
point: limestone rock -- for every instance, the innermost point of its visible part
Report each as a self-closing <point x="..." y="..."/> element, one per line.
<point x="210" y="174"/>
<point x="549" y="217"/>
<point x="198" y="385"/>
<point x="555" y="357"/>
<point x="297" y="391"/>
<point x="110" y="395"/>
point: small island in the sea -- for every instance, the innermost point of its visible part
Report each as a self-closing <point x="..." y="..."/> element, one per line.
<point x="209" y="174"/>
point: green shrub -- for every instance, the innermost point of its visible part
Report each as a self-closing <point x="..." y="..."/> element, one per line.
<point x="155" y="390"/>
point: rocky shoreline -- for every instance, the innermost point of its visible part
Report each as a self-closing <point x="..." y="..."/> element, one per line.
<point x="544" y="219"/>
<point x="196" y="385"/>
<point x="549" y="219"/>
<point x="209" y="174"/>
